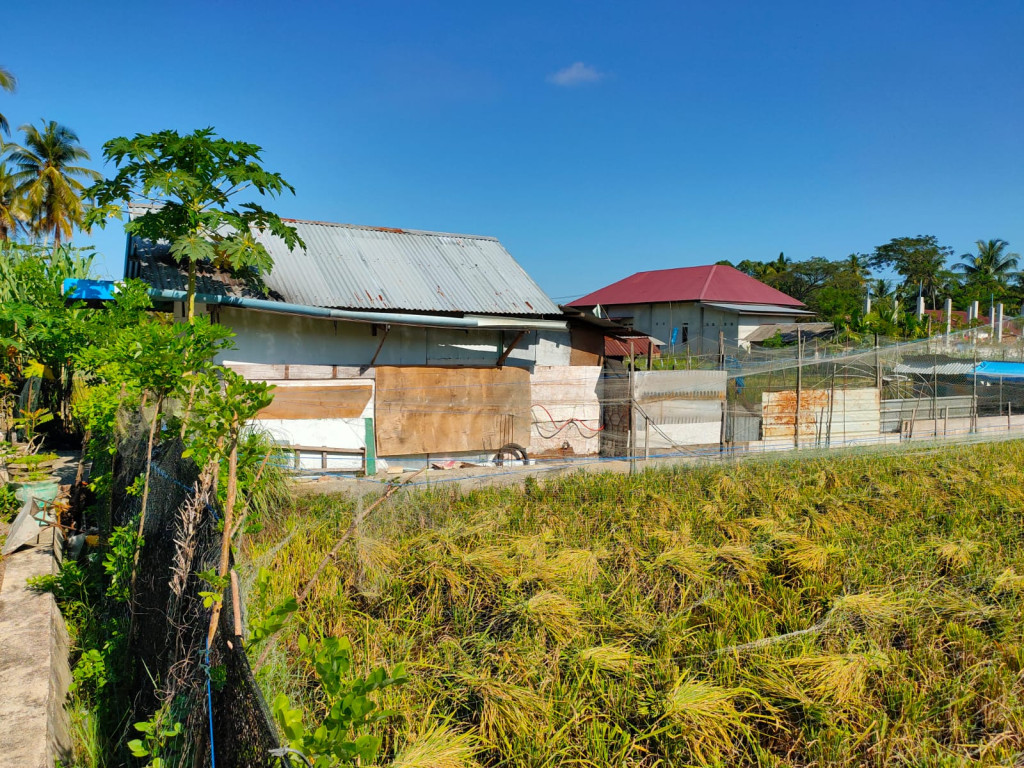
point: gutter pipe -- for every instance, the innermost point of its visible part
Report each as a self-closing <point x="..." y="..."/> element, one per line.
<point x="394" y="318"/>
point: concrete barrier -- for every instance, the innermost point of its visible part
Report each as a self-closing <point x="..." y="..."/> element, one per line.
<point x="34" y="672"/>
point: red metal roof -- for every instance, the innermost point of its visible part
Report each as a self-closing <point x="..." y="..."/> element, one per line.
<point x="620" y="347"/>
<point x="716" y="282"/>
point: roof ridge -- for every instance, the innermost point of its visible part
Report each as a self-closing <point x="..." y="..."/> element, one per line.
<point x="392" y="230"/>
<point x="707" y="282"/>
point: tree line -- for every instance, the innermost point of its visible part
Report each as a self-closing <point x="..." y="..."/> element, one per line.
<point x="893" y="276"/>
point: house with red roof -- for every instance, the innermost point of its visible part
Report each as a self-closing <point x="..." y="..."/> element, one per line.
<point x="693" y="305"/>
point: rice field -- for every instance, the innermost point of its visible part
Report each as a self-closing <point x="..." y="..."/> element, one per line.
<point x="854" y="610"/>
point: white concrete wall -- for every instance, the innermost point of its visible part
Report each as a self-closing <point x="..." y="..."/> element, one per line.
<point x="268" y="338"/>
<point x="559" y="394"/>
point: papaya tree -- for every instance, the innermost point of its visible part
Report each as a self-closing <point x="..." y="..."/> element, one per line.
<point x="194" y="183"/>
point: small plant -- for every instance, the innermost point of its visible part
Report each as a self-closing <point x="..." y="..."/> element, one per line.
<point x="9" y="504"/>
<point x="119" y="561"/>
<point x="29" y="423"/>
<point x="159" y="736"/>
<point x="219" y="583"/>
<point x="341" y="738"/>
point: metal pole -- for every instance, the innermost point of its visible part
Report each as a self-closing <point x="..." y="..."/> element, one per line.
<point x="974" y="397"/>
<point x="878" y="370"/>
<point x="631" y="441"/>
<point x="935" y="394"/>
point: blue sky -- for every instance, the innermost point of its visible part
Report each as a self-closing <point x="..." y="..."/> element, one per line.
<point x="594" y="139"/>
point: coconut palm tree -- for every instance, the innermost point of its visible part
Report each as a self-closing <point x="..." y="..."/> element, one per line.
<point x="991" y="266"/>
<point x="47" y="178"/>
<point x="8" y="83"/>
<point x="11" y="209"/>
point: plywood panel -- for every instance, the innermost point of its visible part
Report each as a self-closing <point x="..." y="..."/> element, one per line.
<point x="587" y="347"/>
<point x="450" y="410"/>
<point x="318" y="401"/>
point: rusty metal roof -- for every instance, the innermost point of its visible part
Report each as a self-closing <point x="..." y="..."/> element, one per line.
<point x="345" y="266"/>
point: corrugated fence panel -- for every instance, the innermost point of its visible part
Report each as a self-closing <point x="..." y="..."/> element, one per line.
<point x="826" y="417"/>
<point x="566" y="408"/>
<point x="684" y="408"/>
<point x="854" y="416"/>
<point x="779" y="414"/>
<point x="679" y="385"/>
<point x="895" y="412"/>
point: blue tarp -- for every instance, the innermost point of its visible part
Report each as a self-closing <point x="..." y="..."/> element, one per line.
<point x="1000" y="370"/>
<point x="85" y="290"/>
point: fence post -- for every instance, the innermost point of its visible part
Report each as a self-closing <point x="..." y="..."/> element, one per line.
<point x="631" y="441"/>
<point x="799" y="384"/>
<point x="878" y="371"/>
<point x="974" y="396"/>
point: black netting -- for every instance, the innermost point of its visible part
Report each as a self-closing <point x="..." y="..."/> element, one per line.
<point x="168" y="622"/>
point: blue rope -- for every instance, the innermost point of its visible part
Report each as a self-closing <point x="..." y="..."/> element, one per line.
<point x="209" y="704"/>
<point x="160" y="471"/>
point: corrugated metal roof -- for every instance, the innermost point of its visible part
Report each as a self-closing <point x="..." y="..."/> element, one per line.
<point x="715" y="282"/>
<point x="758" y="309"/>
<point x="352" y="267"/>
<point x="924" y="368"/>
<point x="768" y="330"/>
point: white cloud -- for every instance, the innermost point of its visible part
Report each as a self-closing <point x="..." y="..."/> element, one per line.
<point x="575" y="74"/>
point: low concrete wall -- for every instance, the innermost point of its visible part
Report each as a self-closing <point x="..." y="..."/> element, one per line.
<point x="34" y="672"/>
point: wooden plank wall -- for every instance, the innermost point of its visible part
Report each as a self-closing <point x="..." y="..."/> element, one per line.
<point x="421" y="410"/>
<point x="312" y="400"/>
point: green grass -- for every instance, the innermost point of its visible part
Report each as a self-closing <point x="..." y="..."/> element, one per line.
<point x="855" y="610"/>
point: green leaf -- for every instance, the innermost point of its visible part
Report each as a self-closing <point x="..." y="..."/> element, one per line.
<point x="192" y="247"/>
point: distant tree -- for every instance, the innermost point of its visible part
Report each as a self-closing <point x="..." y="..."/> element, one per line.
<point x="48" y="181"/>
<point x="192" y="179"/>
<point x="881" y="289"/>
<point x="991" y="268"/>
<point x="9" y="83"/>
<point x="856" y="266"/>
<point x="920" y="261"/>
<point x="11" y="209"/>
